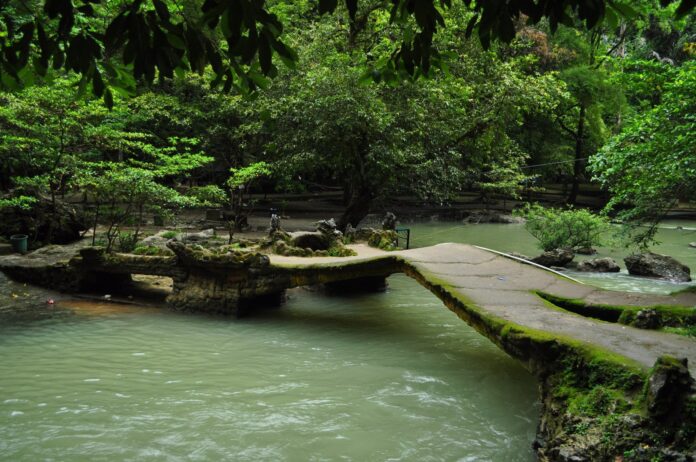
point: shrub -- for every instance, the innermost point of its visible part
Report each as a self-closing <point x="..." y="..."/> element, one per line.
<point x="169" y="234"/>
<point x="569" y="228"/>
<point x="126" y="242"/>
<point x="340" y="251"/>
<point x="152" y="251"/>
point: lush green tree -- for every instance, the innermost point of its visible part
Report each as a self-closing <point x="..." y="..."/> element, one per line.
<point x="42" y="144"/>
<point x="50" y="139"/>
<point x="651" y="164"/>
<point x="325" y="123"/>
<point x="565" y="228"/>
<point x="235" y="197"/>
<point x="121" y="195"/>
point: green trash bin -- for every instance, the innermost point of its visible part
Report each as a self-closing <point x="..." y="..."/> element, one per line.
<point x="19" y="242"/>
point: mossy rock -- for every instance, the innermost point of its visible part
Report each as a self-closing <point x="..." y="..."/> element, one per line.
<point x="337" y="250"/>
<point x="384" y="239"/>
<point x="152" y="250"/>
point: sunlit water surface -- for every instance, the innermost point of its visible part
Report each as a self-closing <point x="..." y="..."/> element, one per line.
<point x="388" y="376"/>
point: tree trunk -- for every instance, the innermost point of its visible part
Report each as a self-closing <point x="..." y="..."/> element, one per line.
<point x="578" y="165"/>
<point x="357" y="209"/>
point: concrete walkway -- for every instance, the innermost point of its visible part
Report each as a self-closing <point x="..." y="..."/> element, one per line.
<point x="504" y="288"/>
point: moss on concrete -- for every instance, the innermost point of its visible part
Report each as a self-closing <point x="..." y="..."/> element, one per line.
<point x="593" y="400"/>
<point x="681" y="319"/>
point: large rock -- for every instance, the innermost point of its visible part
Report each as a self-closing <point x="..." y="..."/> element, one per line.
<point x="668" y="385"/>
<point x="42" y="225"/>
<point x="314" y="240"/>
<point x="330" y="230"/>
<point x="598" y="265"/>
<point x="586" y="251"/>
<point x="202" y="236"/>
<point x="659" y="266"/>
<point x="389" y="222"/>
<point x="692" y="244"/>
<point x="555" y="257"/>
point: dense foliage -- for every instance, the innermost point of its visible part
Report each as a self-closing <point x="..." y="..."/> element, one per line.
<point x="651" y="164"/>
<point x="604" y="83"/>
<point x="566" y="229"/>
<point x="113" y="44"/>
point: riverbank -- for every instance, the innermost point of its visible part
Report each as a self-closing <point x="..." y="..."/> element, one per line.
<point x="576" y="359"/>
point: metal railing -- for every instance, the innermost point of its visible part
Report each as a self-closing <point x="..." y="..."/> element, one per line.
<point x="403" y="233"/>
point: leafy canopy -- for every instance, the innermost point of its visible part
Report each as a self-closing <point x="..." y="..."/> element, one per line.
<point x="565" y="229"/>
<point x="651" y="164"/>
<point x="111" y="45"/>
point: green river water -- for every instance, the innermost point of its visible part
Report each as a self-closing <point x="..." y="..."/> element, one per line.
<point x="387" y="376"/>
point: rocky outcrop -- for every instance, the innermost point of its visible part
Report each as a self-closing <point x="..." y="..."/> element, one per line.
<point x="50" y="266"/>
<point x="668" y="386"/>
<point x="556" y="257"/>
<point x="41" y="223"/>
<point x="647" y="319"/>
<point x="274" y="226"/>
<point x="658" y="266"/>
<point x="599" y="265"/>
<point x="384" y="239"/>
<point x="313" y="240"/>
<point x="585" y="251"/>
<point x="613" y="416"/>
<point x="389" y="222"/>
<point x="326" y="236"/>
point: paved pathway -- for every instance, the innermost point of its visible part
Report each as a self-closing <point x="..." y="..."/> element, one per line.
<point x="503" y="288"/>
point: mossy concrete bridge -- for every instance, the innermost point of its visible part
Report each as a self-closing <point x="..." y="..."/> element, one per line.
<point x="499" y="296"/>
<point x="566" y="333"/>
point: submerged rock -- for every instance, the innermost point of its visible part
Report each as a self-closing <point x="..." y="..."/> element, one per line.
<point x="555" y="257"/>
<point x="657" y="265"/>
<point x="598" y="265"/>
